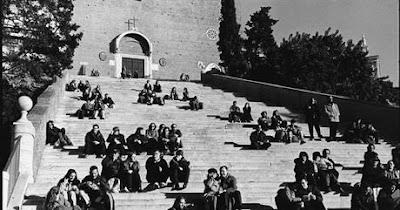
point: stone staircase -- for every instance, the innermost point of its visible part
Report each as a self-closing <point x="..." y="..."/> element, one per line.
<point x="209" y="141"/>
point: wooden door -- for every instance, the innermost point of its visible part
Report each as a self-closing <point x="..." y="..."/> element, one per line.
<point x="132" y="65"/>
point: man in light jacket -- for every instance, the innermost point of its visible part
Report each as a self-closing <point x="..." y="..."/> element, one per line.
<point x="332" y="110"/>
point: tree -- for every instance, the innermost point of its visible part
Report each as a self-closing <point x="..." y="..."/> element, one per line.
<point x="260" y="45"/>
<point x="230" y="43"/>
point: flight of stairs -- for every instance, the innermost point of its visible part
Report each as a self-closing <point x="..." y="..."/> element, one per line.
<point x="208" y="140"/>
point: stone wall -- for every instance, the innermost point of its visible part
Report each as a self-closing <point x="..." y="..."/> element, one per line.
<point x="384" y="118"/>
<point x="44" y="110"/>
<point x="176" y="28"/>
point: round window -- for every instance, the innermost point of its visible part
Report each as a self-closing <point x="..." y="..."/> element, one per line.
<point x="212" y="34"/>
<point x="162" y="62"/>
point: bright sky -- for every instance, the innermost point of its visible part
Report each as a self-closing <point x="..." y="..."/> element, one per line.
<point x="377" y="19"/>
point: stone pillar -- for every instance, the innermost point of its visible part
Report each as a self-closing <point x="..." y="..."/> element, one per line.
<point x="25" y="132"/>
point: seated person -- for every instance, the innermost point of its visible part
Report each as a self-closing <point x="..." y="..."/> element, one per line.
<point x="327" y="180"/>
<point x="234" y="113"/>
<point x="304" y="168"/>
<point x="96" y="187"/>
<point x="95" y="73"/>
<point x="173" y="95"/>
<point x="148" y="86"/>
<point x="135" y="74"/>
<point x="282" y="132"/>
<point x="95" y="143"/>
<point x="294" y="133"/>
<point x="137" y="142"/>
<point x="186" y="95"/>
<point x="110" y="172"/>
<point x="195" y="104"/>
<point x="157" y="100"/>
<point x="246" y="117"/>
<point x="369" y="134"/>
<point x="56" y="199"/>
<point x="157" y="87"/>
<point x="258" y="139"/>
<point x="151" y="132"/>
<point x="99" y="109"/>
<point x="97" y="90"/>
<point x="164" y="143"/>
<point x="52" y="133"/>
<point x="211" y="189"/>
<point x="180" y="204"/>
<point x="276" y="119"/>
<point x="389" y="197"/>
<point x="264" y="121"/>
<point x="326" y="154"/>
<point x="86" y="90"/>
<point x="175" y="141"/>
<point x="64" y="139"/>
<point x="146" y="97"/>
<point x="184" y="77"/>
<point x="229" y="194"/>
<point x="129" y="173"/>
<point x="72" y="192"/>
<point x="81" y="86"/>
<point x="362" y="198"/>
<point x="124" y="73"/>
<point x="86" y="110"/>
<point x="157" y="171"/>
<point x="353" y="133"/>
<point x="161" y="129"/>
<point x="391" y="173"/>
<point x="370" y="153"/>
<point x="310" y="195"/>
<point x="287" y="200"/>
<point x="72" y="86"/>
<point x="180" y="171"/>
<point x="373" y="175"/>
<point x="108" y="101"/>
<point x="116" y="140"/>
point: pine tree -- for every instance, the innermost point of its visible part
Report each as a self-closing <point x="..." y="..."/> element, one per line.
<point x="230" y="43"/>
<point x="260" y="44"/>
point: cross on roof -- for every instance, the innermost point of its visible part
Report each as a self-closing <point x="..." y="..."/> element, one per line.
<point x="131" y="22"/>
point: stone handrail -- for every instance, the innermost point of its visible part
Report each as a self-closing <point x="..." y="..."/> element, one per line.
<point x="383" y="117"/>
<point x="29" y="136"/>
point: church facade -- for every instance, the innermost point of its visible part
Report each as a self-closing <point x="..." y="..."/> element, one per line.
<point x="158" y="39"/>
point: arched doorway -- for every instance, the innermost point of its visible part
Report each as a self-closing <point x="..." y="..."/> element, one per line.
<point x="132" y="50"/>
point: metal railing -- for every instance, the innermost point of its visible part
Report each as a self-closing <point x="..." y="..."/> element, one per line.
<point x="11" y="172"/>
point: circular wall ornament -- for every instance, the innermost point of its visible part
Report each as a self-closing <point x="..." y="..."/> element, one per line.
<point x="102" y="56"/>
<point x="212" y="34"/>
<point x="162" y="62"/>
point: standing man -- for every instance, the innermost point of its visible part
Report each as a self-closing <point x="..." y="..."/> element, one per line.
<point x="332" y="110"/>
<point x="312" y="112"/>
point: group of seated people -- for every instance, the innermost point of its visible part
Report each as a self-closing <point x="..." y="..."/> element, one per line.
<point x="148" y="95"/>
<point x="120" y="173"/>
<point x="235" y="115"/>
<point x="95" y="102"/>
<point x="165" y="139"/>
<point x="56" y="136"/>
<point x="95" y="73"/>
<point x="283" y="132"/>
<point x="379" y="184"/>
<point x="361" y="132"/>
<point x="221" y="191"/>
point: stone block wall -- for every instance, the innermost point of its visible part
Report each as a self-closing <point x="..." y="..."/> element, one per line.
<point x="176" y="28"/>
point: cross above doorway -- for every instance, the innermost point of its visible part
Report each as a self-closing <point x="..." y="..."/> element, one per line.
<point x="132" y="22"/>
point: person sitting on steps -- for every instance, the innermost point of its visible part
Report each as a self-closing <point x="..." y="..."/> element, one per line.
<point x="99" y="109"/>
<point x="195" y="105"/>
<point x="327" y="180"/>
<point x="108" y="101"/>
<point x="116" y="140"/>
<point x="72" y="86"/>
<point x="310" y="196"/>
<point x="186" y="95"/>
<point x="129" y="173"/>
<point x="211" y="189"/>
<point x="86" y="110"/>
<point x="294" y="133"/>
<point x="138" y="142"/>
<point x="148" y="86"/>
<point x="157" y="87"/>
<point x="95" y="143"/>
<point x="304" y="168"/>
<point x="52" y="133"/>
<point x="173" y="95"/>
<point x="234" y="113"/>
<point x="157" y="171"/>
<point x="180" y="171"/>
<point x="264" y="121"/>
<point x="246" y="117"/>
<point x="229" y="194"/>
<point x="111" y="164"/>
<point x="276" y="119"/>
<point x="258" y="139"/>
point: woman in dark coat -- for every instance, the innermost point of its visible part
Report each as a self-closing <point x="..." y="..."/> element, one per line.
<point x="304" y="168"/>
<point x="157" y="170"/>
<point x="52" y="133"/>
<point x="310" y="196"/>
<point x="246" y="117"/>
<point x="129" y="173"/>
<point x="137" y="142"/>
